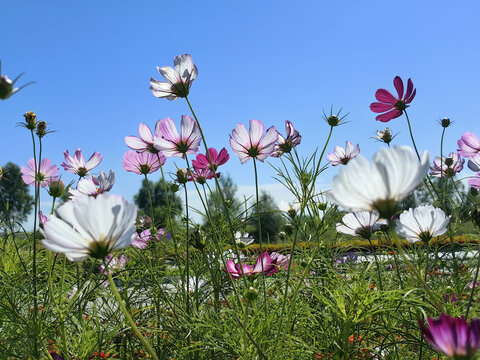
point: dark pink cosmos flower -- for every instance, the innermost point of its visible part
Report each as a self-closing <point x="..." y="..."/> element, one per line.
<point x="77" y="164"/>
<point x="171" y="144"/>
<point x="453" y="336"/>
<point x="235" y="269"/>
<point x="447" y="166"/>
<point x="254" y="144"/>
<point x="341" y="156"/>
<point x="218" y="159"/>
<point x="201" y="175"/>
<point x="285" y="145"/>
<point x="391" y="106"/>
<point x="145" y="142"/>
<point x="46" y="173"/>
<point x="469" y="145"/>
<point x="142" y="163"/>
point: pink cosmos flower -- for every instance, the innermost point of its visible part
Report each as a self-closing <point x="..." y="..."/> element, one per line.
<point x="341" y="156"/>
<point x="142" y="163"/>
<point x="43" y="219"/>
<point x="145" y="142"/>
<point x="391" y="106"/>
<point x="46" y="173"/>
<point x="141" y="240"/>
<point x="447" y="166"/>
<point x="218" y="159"/>
<point x="469" y="145"/>
<point x="285" y="145"/>
<point x="253" y="144"/>
<point x="235" y="269"/>
<point x="77" y="164"/>
<point x="475" y="182"/>
<point x="280" y="260"/>
<point x="453" y="337"/>
<point x="93" y="186"/>
<point x="114" y="263"/>
<point x="171" y="144"/>
<point x="201" y="175"/>
<point x="179" y="79"/>
<point x="474" y="163"/>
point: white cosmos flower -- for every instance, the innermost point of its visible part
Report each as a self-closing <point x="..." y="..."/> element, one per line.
<point x="289" y="209"/>
<point x="91" y="226"/>
<point x="422" y="223"/>
<point x="394" y="173"/>
<point x="360" y="223"/>
<point x="243" y="240"/>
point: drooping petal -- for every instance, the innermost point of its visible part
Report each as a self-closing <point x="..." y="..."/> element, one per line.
<point x="389" y="115"/>
<point x="385" y="96"/>
<point x="380" y="107"/>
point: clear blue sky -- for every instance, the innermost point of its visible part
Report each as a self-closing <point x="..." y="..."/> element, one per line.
<point x="266" y="60"/>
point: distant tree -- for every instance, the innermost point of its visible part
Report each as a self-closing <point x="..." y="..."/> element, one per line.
<point x="15" y="199"/>
<point x="271" y="219"/>
<point x="229" y="191"/>
<point x="159" y="201"/>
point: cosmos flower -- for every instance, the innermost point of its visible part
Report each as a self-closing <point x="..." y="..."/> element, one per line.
<point x="201" y="162"/>
<point x="474" y="163"/>
<point x="392" y="106"/>
<point x="114" y="263"/>
<point x="447" y="166"/>
<point x="469" y="145"/>
<point x="201" y="175"/>
<point x="384" y="136"/>
<point x="280" y="260"/>
<point x="285" y="145"/>
<point x="454" y="337"/>
<point x="341" y="156"/>
<point x="91" y="226"/>
<point x="46" y="173"/>
<point x="179" y="79"/>
<point x="289" y="209"/>
<point x="94" y="186"/>
<point x="171" y="144"/>
<point x="142" y="163"/>
<point x="235" y="269"/>
<point x="144" y="143"/>
<point x="422" y="223"/>
<point x="141" y="240"/>
<point x="254" y="144"/>
<point x="475" y="182"/>
<point x="42" y="219"/>
<point x="77" y="164"/>
<point x="394" y="173"/>
<point x="360" y="223"/>
<point x="243" y="240"/>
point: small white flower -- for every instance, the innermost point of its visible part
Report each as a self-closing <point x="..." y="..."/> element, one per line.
<point x="287" y="208"/>
<point x="93" y="186"/>
<point x="422" y="223"/>
<point x="392" y="176"/>
<point x="360" y="223"/>
<point x="91" y="226"/>
<point x="243" y="240"/>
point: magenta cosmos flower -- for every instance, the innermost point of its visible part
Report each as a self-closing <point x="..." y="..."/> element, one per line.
<point x="447" y="166"/>
<point x="341" y="156"/>
<point x="286" y="144"/>
<point x="453" y="336"/>
<point x="142" y="163"/>
<point x="235" y="269"/>
<point x="145" y="142"/>
<point x="179" y="79"/>
<point x="392" y="106"/>
<point x="46" y="173"/>
<point x="202" y="162"/>
<point x="201" y="175"/>
<point x="76" y="164"/>
<point x="171" y="144"/>
<point x="253" y="144"/>
<point x="469" y="145"/>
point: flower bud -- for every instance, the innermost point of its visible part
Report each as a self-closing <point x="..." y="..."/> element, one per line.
<point x="174" y="187"/>
<point x="182" y="177"/>
<point x="473" y="191"/>
<point x="41" y="128"/>
<point x="251" y="293"/>
<point x="198" y="240"/>
<point x="31" y="120"/>
<point x="56" y="188"/>
<point x="322" y="206"/>
<point x="333" y="120"/>
<point x="445" y="122"/>
<point x="6" y="87"/>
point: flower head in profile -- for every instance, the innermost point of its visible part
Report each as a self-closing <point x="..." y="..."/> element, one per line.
<point x="454" y="337"/>
<point x="91" y="226"/>
<point x="201" y="175"/>
<point x="341" y="156"/>
<point x="114" y="263"/>
<point x="235" y="269"/>
<point x="422" y="223"/>
<point x="286" y="144"/>
<point x="392" y="106"/>
<point x="469" y="145"/>
<point x="46" y="172"/>
<point x="447" y="166"/>
<point x="179" y="79"/>
<point x="144" y="143"/>
<point x="390" y="178"/>
<point x="290" y="209"/>
<point x="384" y="136"/>
<point x="217" y="158"/>
<point x="243" y="240"/>
<point x="142" y="163"/>
<point x="94" y="186"/>
<point x="253" y="144"/>
<point x="360" y="223"/>
<point x="76" y="164"/>
<point x="172" y="144"/>
<point x="474" y="163"/>
<point x="7" y="86"/>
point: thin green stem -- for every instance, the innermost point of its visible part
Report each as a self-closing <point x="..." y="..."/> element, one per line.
<point x="150" y="198"/>
<point x="377" y="264"/>
<point x="245" y="322"/>
<point x="34" y="265"/>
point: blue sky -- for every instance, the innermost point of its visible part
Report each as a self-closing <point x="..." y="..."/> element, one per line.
<point x="266" y="60"/>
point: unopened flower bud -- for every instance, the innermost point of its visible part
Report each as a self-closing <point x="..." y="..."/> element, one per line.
<point x="6" y="87"/>
<point x="333" y="120"/>
<point x="182" y="177"/>
<point x="41" y="128"/>
<point x="322" y="206"/>
<point x="473" y="191"/>
<point x="31" y="120"/>
<point x="198" y="240"/>
<point x="251" y="293"/>
<point x="174" y="187"/>
<point x="56" y="188"/>
<point x="445" y="122"/>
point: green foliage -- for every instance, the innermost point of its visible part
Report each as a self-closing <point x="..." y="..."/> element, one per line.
<point x="271" y="220"/>
<point x="15" y="199"/>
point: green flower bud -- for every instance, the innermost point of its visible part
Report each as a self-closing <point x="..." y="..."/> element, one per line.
<point x="31" y="120"/>
<point x="445" y="122"/>
<point x="251" y="293"/>
<point x="56" y="188"/>
<point x="6" y="87"/>
<point x="174" y="187"/>
<point x="182" y="177"/>
<point x="198" y="240"/>
<point x="41" y="128"/>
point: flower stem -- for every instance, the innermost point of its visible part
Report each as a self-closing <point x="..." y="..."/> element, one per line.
<point x="245" y="321"/>
<point x="377" y="264"/>
<point x="150" y="198"/>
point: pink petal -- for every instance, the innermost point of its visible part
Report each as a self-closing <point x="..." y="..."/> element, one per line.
<point x="145" y="133"/>
<point x="240" y="135"/>
<point x="409" y="100"/>
<point x="168" y="130"/>
<point x="409" y="89"/>
<point x="187" y="127"/>
<point x="256" y="132"/>
<point x="385" y="96"/>
<point x="135" y="143"/>
<point x="271" y="136"/>
<point x="380" y="107"/>
<point x="389" y="115"/>
<point x="398" y="83"/>
<point x="94" y="160"/>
